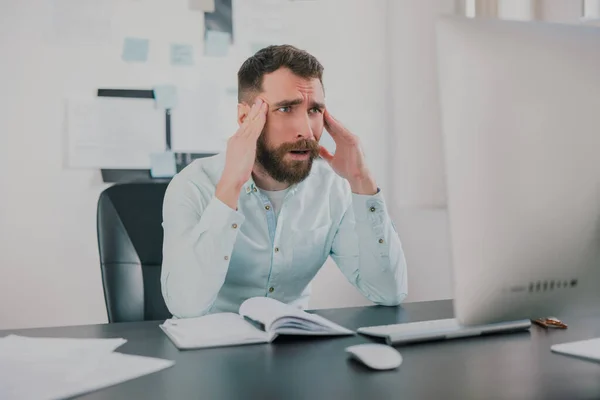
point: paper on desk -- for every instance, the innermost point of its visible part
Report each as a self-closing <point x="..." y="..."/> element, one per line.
<point x="586" y="349"/>
<point x="20" y="380"/>
<point x="49" y="368"/>
<point x="29" y="347"/>
<point x="109" y="132"/>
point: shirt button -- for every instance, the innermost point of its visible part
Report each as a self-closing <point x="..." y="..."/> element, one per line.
<point x="226" y="258"/>
<point x="372" y="209"/>
<point x="276" y="249"/>
<point x="380" y="240"/>
<point x="255" y="190"/>
<point x="234" y="226"/>
<point x="267" y="208"/>
<point x="271" y="289"/>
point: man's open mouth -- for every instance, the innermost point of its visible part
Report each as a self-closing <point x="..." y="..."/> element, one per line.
<point x="299" y="151"/>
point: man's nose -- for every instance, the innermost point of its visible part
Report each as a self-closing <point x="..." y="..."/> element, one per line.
<point x="303" y="129"/>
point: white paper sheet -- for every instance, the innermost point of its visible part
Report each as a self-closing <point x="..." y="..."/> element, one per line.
<point x="39" y="380"/>
<point x="83" y="21"/>
<point x="258" y="21"/>
<point x="49" y="368"/>
<point x="30" y="347"/>
<point x="109" y="132"/>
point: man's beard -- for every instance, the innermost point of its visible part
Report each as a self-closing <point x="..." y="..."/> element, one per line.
<point x="280" y="169"/>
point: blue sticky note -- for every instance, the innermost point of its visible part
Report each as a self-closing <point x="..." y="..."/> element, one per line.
<point x="182" y="54"/>
<point x="162" y="165"/>
<point x="217" y="44"/>
<point x="135" y="50"/>
<point x="165" y="96"/>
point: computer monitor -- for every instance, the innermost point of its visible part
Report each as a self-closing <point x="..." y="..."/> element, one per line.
<point x="520" y="105"/>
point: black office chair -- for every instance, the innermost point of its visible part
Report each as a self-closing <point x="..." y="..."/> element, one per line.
<point x="130" y="237"/>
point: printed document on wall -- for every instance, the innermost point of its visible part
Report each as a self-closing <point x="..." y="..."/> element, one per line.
<point x="109" y="132"/>
<point x="83" y="21"/>
<point x="259" y="21"/>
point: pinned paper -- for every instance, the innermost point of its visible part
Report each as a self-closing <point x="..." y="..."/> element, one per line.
<point x="202" y="5"/>
<point x="182" y="54"/>
<point x="135" y="50"/>
<point x="217" y="44"/>
<point x="162" y="165"/>
<point x="165" y="96"/>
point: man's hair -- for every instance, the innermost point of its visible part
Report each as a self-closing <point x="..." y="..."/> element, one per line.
<point x="270" y="59"/>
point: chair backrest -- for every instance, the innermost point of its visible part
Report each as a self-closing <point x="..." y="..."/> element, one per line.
<point x="130" y="238"/>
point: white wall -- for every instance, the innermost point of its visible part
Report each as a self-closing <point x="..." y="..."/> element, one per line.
<point x="415" y="147"/>
<point x="48" y="255"/>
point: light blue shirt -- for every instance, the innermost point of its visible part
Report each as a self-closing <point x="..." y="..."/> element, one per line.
<point x="215" y="257"/>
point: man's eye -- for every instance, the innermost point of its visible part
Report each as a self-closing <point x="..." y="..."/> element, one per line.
<point x="285" y="109"/>
<point x="315" y="110"/>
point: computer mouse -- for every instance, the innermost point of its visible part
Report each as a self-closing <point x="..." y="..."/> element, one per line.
<point x="376" y="356"/>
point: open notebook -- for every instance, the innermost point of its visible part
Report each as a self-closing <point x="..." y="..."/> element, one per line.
<point x="260" y="320"/>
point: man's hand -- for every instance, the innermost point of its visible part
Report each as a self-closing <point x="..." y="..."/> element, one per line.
<point x="348" y="161"/>
<point x="241" y="154"/>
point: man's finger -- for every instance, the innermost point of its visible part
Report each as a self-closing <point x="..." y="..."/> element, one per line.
<point x="253" y="112"/>
<point x="325" y="154"/>
<point x="337" y="131"/>
<point x="333" y="126"/>
<point x="244" y="125"/>
<point x="257" y="125"/>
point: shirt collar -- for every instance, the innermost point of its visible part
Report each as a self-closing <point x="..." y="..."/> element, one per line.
<point x="250" y="186"/>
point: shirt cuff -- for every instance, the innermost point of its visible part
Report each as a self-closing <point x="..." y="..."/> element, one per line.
<point x="369" y="208"/>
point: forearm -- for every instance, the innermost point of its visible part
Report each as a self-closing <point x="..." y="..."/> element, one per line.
<point x="369" y="252"/>
<point x="381" y="263"/>
<point x="196" y="260"/>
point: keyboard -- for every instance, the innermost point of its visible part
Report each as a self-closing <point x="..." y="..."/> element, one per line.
<point x="438" y="325"/>
<point x="438" y="329"/>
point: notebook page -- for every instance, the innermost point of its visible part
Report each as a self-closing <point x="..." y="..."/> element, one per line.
<point x="275" y="314"/>
<point x="265" y="310"/>
<point x="221" y="329"/>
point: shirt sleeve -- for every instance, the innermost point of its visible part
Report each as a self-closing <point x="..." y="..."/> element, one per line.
<point x="199" y="234"/>
<point x="368" y="251"/>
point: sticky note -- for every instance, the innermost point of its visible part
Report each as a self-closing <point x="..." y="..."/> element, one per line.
<point x="202" y="5"/>
<point x="165" y="96"/>
<point x="135" y="49"/>
<point x="182" y="54"/>
<point x="162" y="165"/>
<point x="217" y="44"/>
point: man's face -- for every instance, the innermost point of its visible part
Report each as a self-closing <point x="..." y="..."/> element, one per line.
<point x="289" y="141"/>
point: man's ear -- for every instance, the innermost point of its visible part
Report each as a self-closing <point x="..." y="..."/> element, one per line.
<point x="242" y="112"/>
